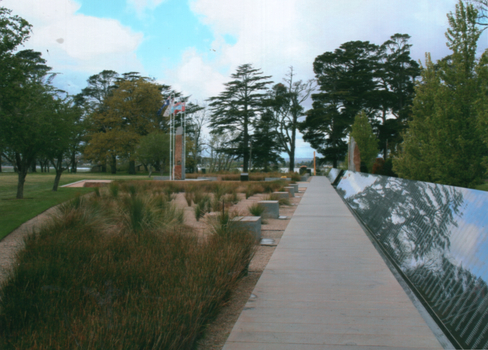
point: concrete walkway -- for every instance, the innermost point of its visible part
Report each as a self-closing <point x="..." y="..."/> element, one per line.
<point x="326" y="287"/>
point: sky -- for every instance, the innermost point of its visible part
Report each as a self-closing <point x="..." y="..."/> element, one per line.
<point x="195" y="45"/>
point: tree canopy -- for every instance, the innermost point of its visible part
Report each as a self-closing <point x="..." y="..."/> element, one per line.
<point x="366" y="140"/>
<point x="444" y="142"/>
<point x="359" y="76"/>
<point x="126" y="114"/>
<point x="237" y="108"/>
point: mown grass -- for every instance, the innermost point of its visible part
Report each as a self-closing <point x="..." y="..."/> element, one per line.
<point x="38" y="195"/>
<point x="482" y="187"/>
<point x="119" y="271"/>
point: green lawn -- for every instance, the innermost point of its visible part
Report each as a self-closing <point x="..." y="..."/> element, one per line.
<point x="483" y="187"/>
<point x="38" y="195"/>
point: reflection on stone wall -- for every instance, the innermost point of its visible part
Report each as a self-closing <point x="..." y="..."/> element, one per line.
<point x="437" y="236"/>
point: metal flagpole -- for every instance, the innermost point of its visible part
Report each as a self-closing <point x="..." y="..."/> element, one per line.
<point x="171" y="146"/>
<point x="184" y="143"/>
<point x="174" y="145"/>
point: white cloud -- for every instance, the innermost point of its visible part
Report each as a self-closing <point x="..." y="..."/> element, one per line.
<point x="195" y="76"/>
<point x="75" y="41"/>
<point x="276" y="34"/>
<point x="142" y="5"/>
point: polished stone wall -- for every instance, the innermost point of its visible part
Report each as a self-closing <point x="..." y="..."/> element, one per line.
<point x="437" y="237"/>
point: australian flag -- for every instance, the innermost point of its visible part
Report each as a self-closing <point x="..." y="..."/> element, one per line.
<point x="165" y="104"/>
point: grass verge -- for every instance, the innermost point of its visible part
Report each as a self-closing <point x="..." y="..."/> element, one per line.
<point x="38" y="195"/>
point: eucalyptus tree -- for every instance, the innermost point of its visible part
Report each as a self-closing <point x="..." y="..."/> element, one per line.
<point x="238" y="107"/>
<point x="287" y="100"/>
<point x="396" y="74"/>
<point x="346" y="86"/>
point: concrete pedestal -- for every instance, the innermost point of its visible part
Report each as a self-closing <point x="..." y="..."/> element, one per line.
<point x="295" y="186"/>
<point x="251" y="223"/>
<point x="271" y="209"/>
<point x="280" y="195"/>
<point x="290" y="190"/>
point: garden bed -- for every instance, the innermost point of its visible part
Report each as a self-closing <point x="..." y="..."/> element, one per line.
<point x="103" y="297"/>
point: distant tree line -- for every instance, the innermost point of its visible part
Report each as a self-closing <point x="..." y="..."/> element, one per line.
<point x="429" y="122"/>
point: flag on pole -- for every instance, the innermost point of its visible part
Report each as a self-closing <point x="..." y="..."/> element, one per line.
<point x="169" y="102"/>
<point x="179" y="107"/>
<point x="165" y="104"/>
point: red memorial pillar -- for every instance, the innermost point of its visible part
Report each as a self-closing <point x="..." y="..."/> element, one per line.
<point x="179" y="159"/>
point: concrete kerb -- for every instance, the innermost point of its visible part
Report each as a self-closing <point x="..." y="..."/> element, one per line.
<point x="276" y="178"/>
<point x="160" y="178"/>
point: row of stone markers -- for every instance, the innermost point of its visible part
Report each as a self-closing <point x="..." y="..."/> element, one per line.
<point x="271" y="211"/>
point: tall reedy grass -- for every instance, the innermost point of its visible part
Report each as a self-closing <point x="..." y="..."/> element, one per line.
<point x="203" y="205"/>
<point x="84" y="281"/>
<point x="256" y="209"/>
<point x="281" y="201"/>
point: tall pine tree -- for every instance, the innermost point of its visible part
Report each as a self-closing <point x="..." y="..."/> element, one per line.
<point x="237" y="108"/>
<point x="444" y="143"/>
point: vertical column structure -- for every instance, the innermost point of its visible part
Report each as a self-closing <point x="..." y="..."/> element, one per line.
<point x="179" y="162"/>
<point x="354" y="157"/>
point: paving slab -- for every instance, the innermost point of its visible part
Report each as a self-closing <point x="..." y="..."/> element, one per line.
<point x="327" y="287"/>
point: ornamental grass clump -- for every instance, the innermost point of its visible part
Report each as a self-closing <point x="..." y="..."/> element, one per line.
<point x="256" y="209"/>
<point x="272" y="186"/>
<point x="203" y="205"/>
<point x="114" y="189"/>
<point x="281" y="201"/>
<point x="85" y="281"/>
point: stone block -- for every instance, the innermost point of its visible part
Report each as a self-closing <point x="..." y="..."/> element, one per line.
<point x="271" y="209"/>
<point x="276" y="178"/>
<point x="290" y="190"/>
<point x="251" y="223"/>
<point x="295" y="186"/>
<point x="280" y="195"/>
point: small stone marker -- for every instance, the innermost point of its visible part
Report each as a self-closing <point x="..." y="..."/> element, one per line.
<point x="282" y="217"/>
<point x="290" y="190"/>
<point x="268" y="241"/>
<point x="295" y="186"/>
<point x="271" y="209"/>
<point x="252" y="223"/>
<point x="280" y="195"/>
